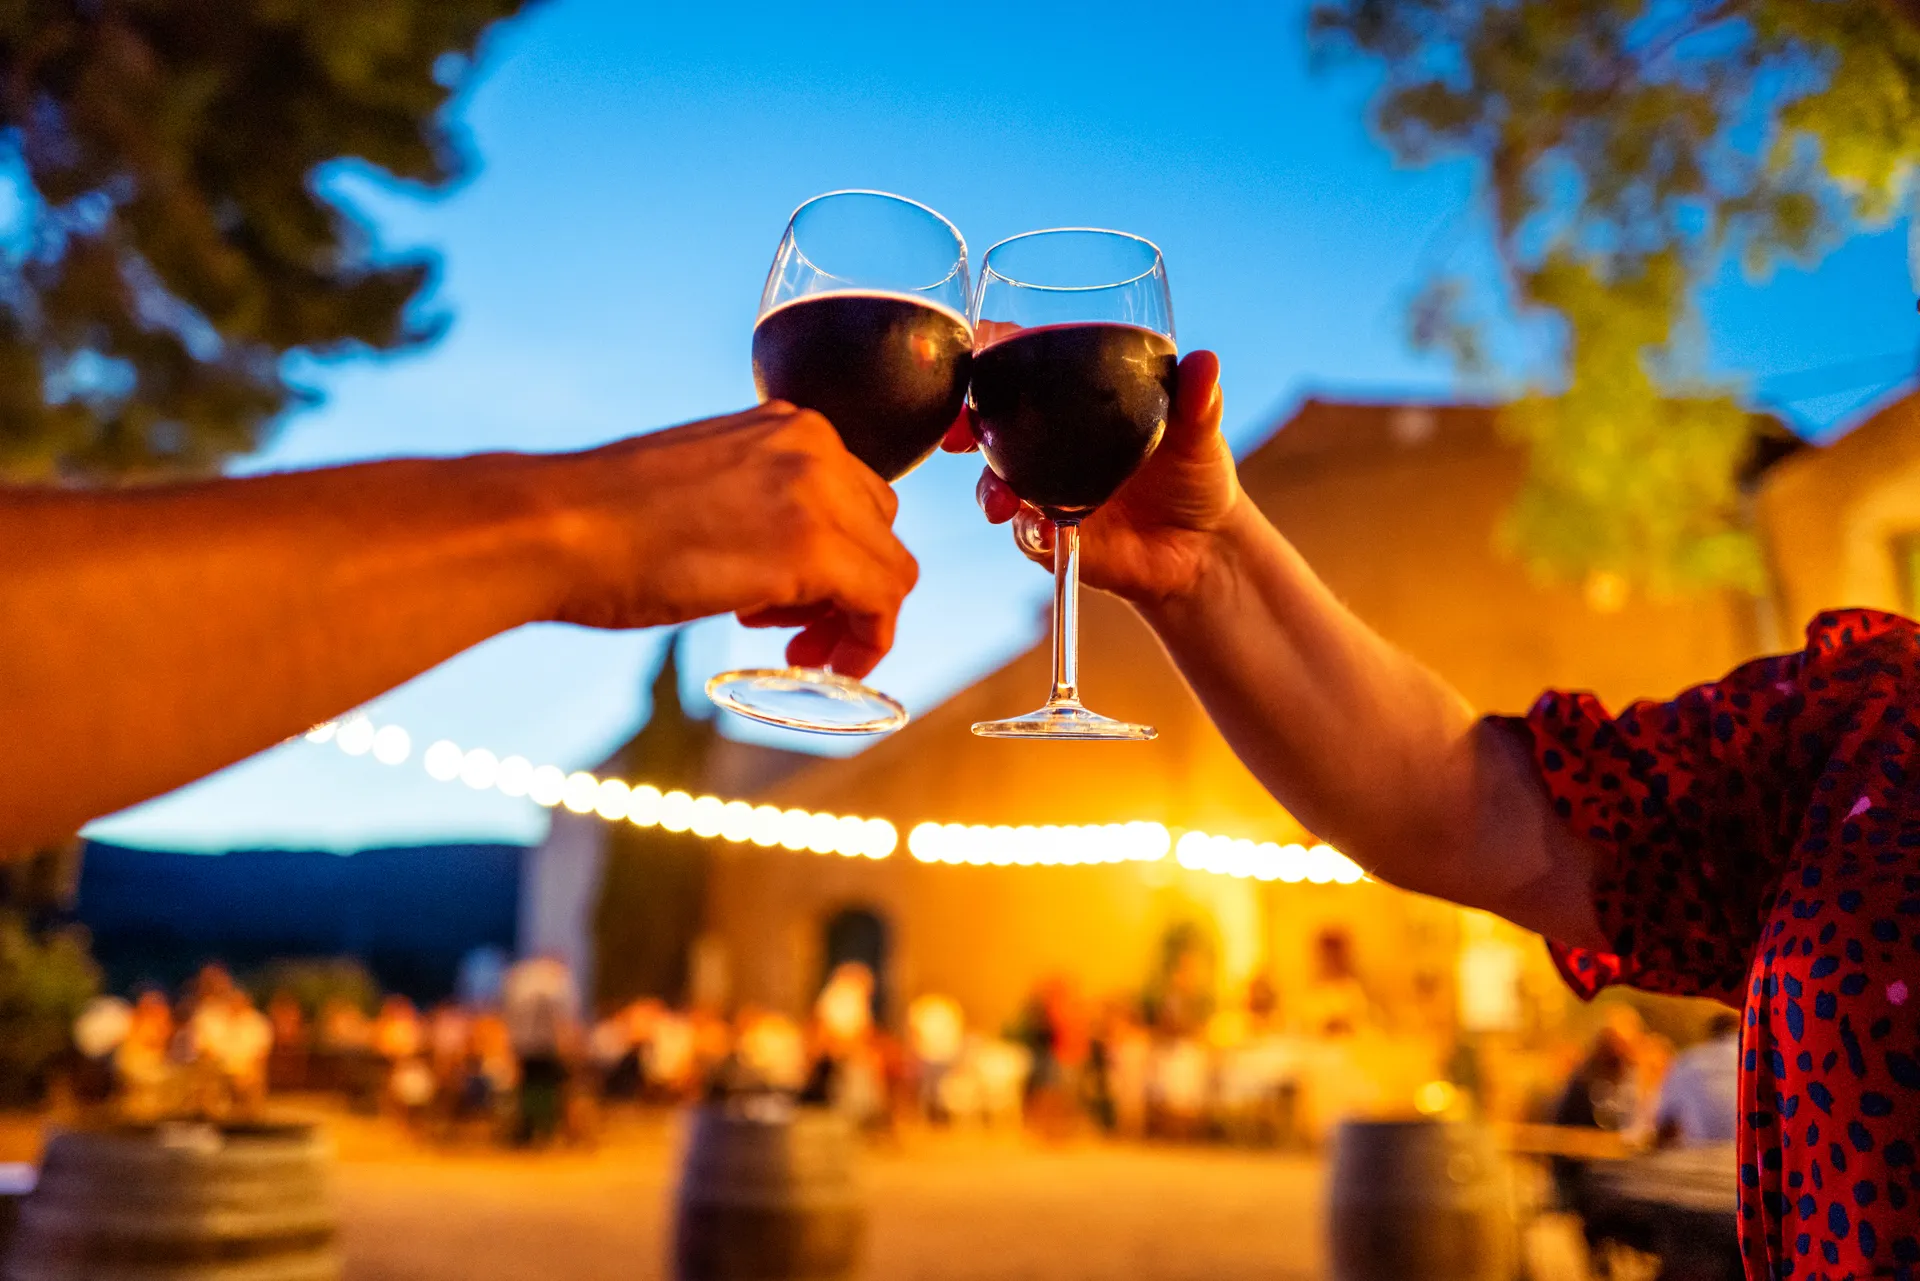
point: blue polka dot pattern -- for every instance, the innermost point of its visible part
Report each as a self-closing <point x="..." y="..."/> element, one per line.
<point x="1758" y="842"/>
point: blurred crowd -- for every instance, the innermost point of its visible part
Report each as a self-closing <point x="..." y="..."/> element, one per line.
<point x="523" y="1062"/>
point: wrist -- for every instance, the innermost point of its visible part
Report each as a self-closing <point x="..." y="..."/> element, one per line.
<point x="1219" y="560"/>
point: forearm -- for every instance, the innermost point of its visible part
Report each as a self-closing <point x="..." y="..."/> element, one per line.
<point x="1362" y="744"/>
<point x="149" y="636"/>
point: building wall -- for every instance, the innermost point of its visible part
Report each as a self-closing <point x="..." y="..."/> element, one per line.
<point x="559" y="888"/>
<point x="1833" y="518"/>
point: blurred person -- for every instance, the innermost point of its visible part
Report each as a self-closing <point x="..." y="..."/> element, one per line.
<point x="125" y="607"/>
<point x="614" y="1058"/>
<point x="99" y="1030"/>
<point x="541" y="1006"/>
<point x="448" y="1036"/>
<point x="844" y="1007"/>
<point x="1255" y="1067"/>
<point x="1263" y="1006"/>
<point x="1120" y="1056"/>
<point x="1185" y="998"/>
<point x="936" y="1033"/>
<point x="1699" y="1100"/>
<point x="209" y="1038"/>
<point x="712" y="1040"/>
<point x="1335" y="1003"/>
<point x="143" y="1063"/>
<point x="1652" y="1060"/>
<point x="772" y="1049"/>
<point x="288" y="1059"/>
<point x="345" y="1058"/>
<point x="1601" y="1094"/>
<point x="492" y="1073"/>
<point x="397" y="1034"/>
<point x="1054" y="1030"/>
<point x="670" y="1056"/>
<point x="234" y="1039"/>
<point x="1741" y="841"/>
<point x="849" y="1074"/>
<point x="1179" y="1086"/>
<point x="399" y="1040"/>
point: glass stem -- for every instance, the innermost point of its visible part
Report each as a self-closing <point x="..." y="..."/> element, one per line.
<point x="1066" y="613"/>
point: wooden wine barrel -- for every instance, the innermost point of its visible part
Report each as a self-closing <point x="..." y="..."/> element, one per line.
<point x="179" y="1203"/>
<point x="768" y="1195"/>
<point x="1419" y="1200"/>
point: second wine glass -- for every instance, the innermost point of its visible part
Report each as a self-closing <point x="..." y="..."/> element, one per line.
<point x="862" y="319"/>
<point x="1073" y="378"/>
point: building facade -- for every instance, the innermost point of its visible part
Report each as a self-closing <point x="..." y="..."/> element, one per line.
<point x="1398" y="507"/>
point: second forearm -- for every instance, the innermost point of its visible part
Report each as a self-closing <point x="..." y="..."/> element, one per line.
<point x="1363" y="745"/>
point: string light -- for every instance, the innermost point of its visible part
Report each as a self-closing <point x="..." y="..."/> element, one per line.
<point x="741" y="823"/>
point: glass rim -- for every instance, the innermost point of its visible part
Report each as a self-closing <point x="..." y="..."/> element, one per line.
<point x="987" y="268"/>
<point x="957" y="268"/>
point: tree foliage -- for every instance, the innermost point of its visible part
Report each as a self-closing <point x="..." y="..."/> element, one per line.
<point x="168" y="246"/>
<point x="1626" y="148"/>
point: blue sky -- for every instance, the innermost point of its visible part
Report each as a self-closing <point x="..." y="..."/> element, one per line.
<point x="634" y="168"/>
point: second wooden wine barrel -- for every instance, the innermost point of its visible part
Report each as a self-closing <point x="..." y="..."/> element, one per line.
<point x="768" y="1194"/>
<point x="179" y="1203"/>
<point x="1419" y="1200"/>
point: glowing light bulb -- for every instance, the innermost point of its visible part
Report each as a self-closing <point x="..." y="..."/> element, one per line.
<point x="515" y="776"/>
<point x="643" y="805"/>
<point x="443" y="760"/>
<point x="766" y="826"/>
<point x="823" y="830"/>
<point x="611" y="799"/>
<point x="881" y="838"/>
<point x="676" y="811"/>
<point x="583" y="789"/>
<point x="323" y="732"/>
<point x="736" y="821"/>
<point x="356" y="734"/>
<point x="392" y="745"/>
<point x="923" y="842"/>
<point x="547" y="786"/>
<point x="705" y="817"/>
<point x="1321" y="867"/>
<point x="796" y="829"/>
<point x="479" y="769"/>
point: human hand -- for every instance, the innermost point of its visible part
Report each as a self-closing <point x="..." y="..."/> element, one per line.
<point x="763" y="514"/>
<point x="1153" y="539"/>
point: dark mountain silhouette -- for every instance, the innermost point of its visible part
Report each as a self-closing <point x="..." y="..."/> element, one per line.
<point x="409" y="914"/>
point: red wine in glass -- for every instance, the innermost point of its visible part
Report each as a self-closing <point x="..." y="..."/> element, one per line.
<point x="1066" y="413"/>
<point x="889" y="373"/>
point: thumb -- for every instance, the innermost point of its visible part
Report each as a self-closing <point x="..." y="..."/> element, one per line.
<point x="1197" y="403"/>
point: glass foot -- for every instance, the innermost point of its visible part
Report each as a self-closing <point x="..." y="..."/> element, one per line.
<point x="1066" y="720"/>
<point x="807" y="698"/>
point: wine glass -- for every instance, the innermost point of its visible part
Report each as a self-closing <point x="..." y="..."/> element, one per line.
<point x="863" y="319"/>
<point x="1073" y="377"/>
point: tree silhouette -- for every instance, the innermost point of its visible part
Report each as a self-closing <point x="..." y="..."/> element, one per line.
<point x="166" y="245"/>
<point x="1626" y="148"/>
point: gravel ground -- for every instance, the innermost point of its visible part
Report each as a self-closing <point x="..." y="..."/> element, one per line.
<point x="944" y="1208"/>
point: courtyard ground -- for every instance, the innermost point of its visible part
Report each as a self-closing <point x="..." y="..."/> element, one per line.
<point x="943" y="1208"/>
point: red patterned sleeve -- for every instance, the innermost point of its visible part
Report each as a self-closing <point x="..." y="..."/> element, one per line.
<point x="1695" y="804"/>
